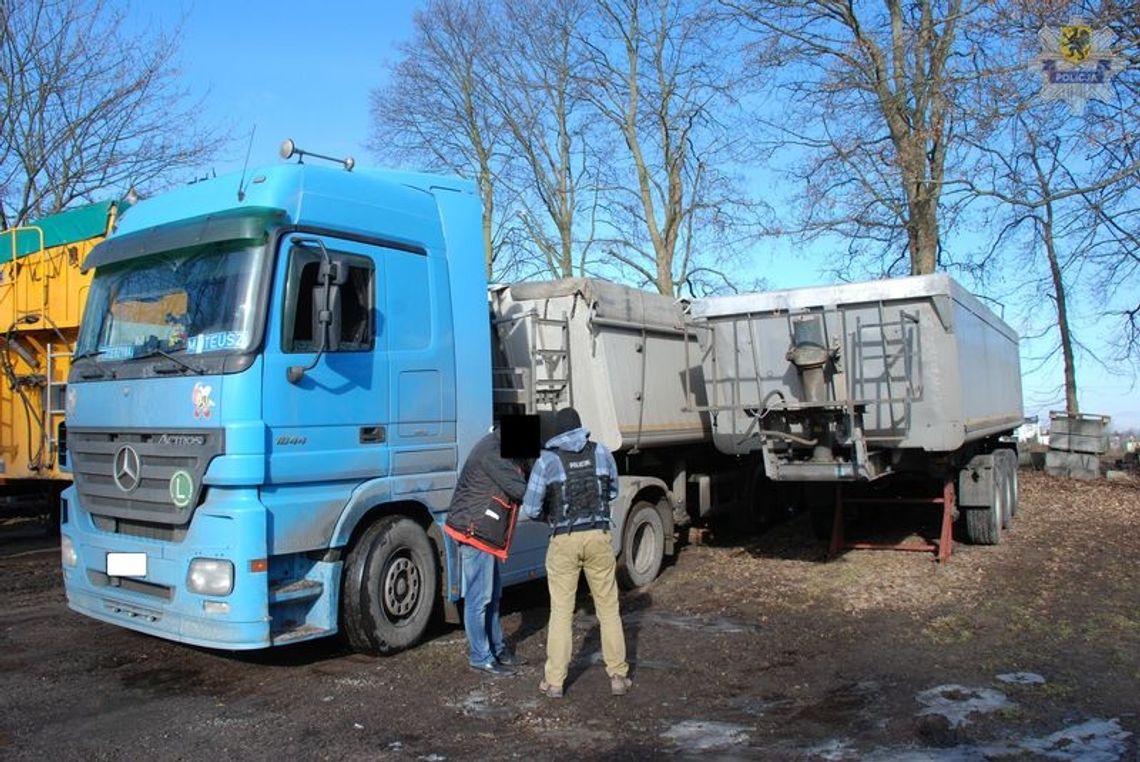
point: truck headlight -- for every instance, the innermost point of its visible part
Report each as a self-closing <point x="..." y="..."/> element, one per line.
<point x="67" y="554"/>
<point x="210" y="576"/>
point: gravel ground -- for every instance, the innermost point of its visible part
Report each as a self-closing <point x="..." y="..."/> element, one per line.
<point x="745" y="648"/>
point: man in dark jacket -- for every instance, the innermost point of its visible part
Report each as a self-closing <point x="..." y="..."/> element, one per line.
<point x="487" y="483"/>
<point x="572" y="485"/>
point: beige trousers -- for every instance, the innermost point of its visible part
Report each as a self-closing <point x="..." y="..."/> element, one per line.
<point x="588" y="551"/>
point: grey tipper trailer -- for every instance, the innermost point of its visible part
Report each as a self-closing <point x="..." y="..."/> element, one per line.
<point x="617" y="354"/>
<point x="852" y="383"/>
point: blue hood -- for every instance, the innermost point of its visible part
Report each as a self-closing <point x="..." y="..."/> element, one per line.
<point x="573" y="440"/>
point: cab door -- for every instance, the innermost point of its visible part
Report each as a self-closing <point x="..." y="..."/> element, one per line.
<point x="326" y="412"/>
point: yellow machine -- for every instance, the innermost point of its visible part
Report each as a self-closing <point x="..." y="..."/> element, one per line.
<point x="41" y="301"/>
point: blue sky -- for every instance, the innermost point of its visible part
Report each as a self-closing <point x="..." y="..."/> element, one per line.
<point x="303" y="70"/>
<point x="290" y="68"/>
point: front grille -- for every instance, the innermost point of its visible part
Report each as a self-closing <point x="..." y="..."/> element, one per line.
<point x="161" y="454"/>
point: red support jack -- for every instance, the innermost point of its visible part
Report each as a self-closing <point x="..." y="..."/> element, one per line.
<point x="942" y="547"/>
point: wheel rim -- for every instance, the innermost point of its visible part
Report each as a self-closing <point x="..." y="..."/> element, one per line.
<point x="402" y="585"/>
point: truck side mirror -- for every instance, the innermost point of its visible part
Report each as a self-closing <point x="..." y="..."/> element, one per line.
<point x="327" y="309"/>
<point x="327" y="320"/>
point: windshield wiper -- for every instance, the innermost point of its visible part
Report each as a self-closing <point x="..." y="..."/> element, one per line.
<point x="93" y="371"/>
<point x="150" y="348"/>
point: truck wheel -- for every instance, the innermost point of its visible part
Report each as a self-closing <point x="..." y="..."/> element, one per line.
<point x="984" y="523"/>
<point x="1014" y="466"/>
<point x="642" y="546"/>
<point x="1007" y="473"/>
<point x="390" y="582"/>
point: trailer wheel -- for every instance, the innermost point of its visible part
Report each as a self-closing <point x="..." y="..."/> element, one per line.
<point x="1008" y="475"/>
<point x="642" y="546"/>
<point x="984" y="523"/>
<point x="389" y="589"/>
<point x="1012" y="469"/>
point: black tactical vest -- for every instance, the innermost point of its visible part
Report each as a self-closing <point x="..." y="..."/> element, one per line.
<point x="580" y="497"/>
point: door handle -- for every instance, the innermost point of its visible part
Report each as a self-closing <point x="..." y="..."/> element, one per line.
<point x="372" y="435"/>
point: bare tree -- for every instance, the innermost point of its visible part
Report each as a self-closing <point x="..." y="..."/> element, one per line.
<point x="1030" y="175"/>
<point x="435" y="113"/>
<point x="1059" y="185"/>
<point x="664" y="75"/>
<point x="87" y="108"/>
<point x="867" y="95"/>
<point x="1116" y="142"/>
<point x="540" y="101"/>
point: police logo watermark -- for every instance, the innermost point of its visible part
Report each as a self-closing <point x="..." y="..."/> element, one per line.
<point x="1076" y="63"/>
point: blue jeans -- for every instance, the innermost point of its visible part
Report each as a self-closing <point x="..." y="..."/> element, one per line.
<point x="483" y="587"/>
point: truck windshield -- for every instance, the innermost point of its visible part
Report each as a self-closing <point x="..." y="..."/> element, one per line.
<point x="195" y="300"/>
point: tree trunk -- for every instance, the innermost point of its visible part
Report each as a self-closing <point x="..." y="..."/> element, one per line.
<point x="486" y="190"/>
<point x="1062" y="312"/>
<point x="922" y="234"/>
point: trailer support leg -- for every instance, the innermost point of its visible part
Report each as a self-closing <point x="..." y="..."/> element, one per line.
<point x="942" y="547"/>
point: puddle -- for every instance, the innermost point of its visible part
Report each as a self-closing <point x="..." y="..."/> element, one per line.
<point x="1022" y="678"/>
<point x="1090" y="741"/>
<point x="716" y="626"/>
<point x="699" y="735"/>
<point x="834" y="750"/>
<point x="478" y="703"/>
<point x="957" y="702"/>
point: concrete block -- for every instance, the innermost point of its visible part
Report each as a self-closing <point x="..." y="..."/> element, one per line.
<point x="1072" y="465"/>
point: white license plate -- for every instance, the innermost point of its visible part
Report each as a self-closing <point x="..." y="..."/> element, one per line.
<point x="126" y="564"/>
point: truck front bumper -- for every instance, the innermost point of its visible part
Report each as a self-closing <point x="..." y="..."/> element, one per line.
<point x="229" y="526"/>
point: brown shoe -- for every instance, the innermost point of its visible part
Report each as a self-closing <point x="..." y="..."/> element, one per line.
<point x="550" y="691"/>
<point x="620" y="685"/>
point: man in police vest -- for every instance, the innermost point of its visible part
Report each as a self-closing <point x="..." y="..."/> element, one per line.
<point x="572" y="485"/>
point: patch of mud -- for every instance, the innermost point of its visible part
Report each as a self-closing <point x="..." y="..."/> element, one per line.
<point x="847" y="705"/>
<point x="957" y="702"/>
<point x="164" y="681"/>
<point x="577" y="738"/>
<point x="702" y="735"/>
<point x="1095" y="740"/>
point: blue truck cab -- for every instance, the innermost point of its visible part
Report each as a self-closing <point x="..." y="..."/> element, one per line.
<point x="273" y="389"/>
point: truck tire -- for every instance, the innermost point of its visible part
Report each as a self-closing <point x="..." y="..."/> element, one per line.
<point x="1014" y="494"/>
<point x="1007" y="467"/>
<point x="642" y="546"/>
<point x="390" y="584"/>
<point x="984" y="523"/>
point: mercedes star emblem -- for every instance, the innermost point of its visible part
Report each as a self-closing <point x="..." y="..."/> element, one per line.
<point x="127" y="468"/>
